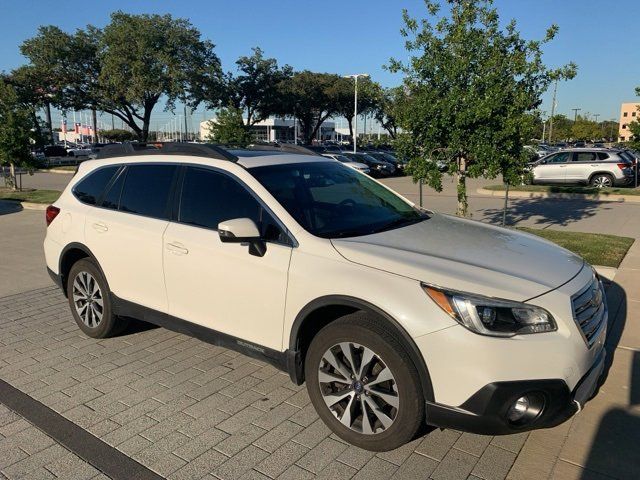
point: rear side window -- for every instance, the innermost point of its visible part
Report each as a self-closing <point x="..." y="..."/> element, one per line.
<point x="602" y="156"/>
<point x="111" y="199"/>
<point x="89" y="189"/>
<point x="584" y="157"/>
<point x="146" y="190"/>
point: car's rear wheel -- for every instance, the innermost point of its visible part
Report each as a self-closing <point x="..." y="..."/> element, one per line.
<point x="601" y="180"/>
<point x="90" y="301"/>
<point x="363" y="384"/>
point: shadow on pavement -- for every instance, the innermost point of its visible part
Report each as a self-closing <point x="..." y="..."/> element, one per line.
<point x="7" y="207"/>
<point x="614" y="449"/>
<point x="544" y="211"/>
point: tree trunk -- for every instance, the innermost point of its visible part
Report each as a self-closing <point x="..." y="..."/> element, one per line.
<point x="461" y="211"/>
<point x="94" y="119"/>
<point x="47" y="109"/>
<point x="12" y="176"/>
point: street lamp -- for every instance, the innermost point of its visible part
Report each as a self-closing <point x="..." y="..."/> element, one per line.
<point x="355" y="107"/>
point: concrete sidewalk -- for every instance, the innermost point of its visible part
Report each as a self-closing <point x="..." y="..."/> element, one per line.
<point x="602" y="441"/>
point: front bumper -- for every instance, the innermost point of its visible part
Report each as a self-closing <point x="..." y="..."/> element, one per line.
<point x="485" y="412"/>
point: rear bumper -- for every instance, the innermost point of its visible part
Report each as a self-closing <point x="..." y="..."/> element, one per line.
<point x="485" y="412"/>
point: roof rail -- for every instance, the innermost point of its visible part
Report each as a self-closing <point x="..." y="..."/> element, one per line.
<point x="208" y="150"/>
<point x="282" y="147"/>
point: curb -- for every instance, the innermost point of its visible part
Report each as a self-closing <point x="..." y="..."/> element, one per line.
<point x="566" y="196"/>
<point x="55" y="170"/>
<point x="606" y="272"/>
<point x="33" y="206"/>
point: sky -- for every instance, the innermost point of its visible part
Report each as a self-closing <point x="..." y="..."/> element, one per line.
<point x="359" y="36"/>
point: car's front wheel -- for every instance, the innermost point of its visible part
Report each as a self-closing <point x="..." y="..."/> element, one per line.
<point x="363" y="384"/>
<point x="90" y="301"/>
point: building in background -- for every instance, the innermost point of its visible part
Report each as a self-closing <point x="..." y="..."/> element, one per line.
<point x="628" y="113"/>
<point x="276" y="130"/>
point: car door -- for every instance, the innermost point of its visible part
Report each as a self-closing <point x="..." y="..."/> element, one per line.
<point x="125" y="233"/>
<point x="581" y="166"/>
<point x="221" y="285"/>
<point x="552" y="169"/>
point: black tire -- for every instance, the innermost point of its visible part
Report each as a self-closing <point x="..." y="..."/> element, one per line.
<point x="598" y="178"/>
<point x="370" y="332"/>
<point x="108" y="324"/>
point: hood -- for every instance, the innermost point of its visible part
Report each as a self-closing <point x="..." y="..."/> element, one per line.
<point x="466" y="255"/>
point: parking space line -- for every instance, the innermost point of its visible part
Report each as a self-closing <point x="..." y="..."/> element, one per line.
<point x="91" y="449"/>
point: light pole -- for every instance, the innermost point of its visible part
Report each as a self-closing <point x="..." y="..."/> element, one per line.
<point x="355" y="107"/>
<point x="575" y="114"/>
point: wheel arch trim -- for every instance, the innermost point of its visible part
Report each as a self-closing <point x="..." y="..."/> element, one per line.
<point x="88" y="252"/>
<point x="363" y="305"/>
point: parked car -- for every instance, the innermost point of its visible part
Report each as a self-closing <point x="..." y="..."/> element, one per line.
<point x="54" y="151"/>
<point x="393" y="315"/>
<point x="79" y="151"/>
<point x="361" y="167"/>
<point x="389" y="158"/>
<point x="378" y="168"/>
<point x="596" y="167"/>
<point x="580" y="144"/>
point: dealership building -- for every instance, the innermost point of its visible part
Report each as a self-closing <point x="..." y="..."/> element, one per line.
<point x="628" y="113"/>
<point x="277" y="130"/>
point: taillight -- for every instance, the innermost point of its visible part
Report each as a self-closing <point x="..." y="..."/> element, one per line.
<point x="52" y="212"/>
<point x="622" y="166"/>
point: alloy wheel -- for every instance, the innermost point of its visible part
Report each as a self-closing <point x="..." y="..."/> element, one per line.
<point x="602" y="182"/>
<point x="87" y="299"/>
<point x="358" y="388"/>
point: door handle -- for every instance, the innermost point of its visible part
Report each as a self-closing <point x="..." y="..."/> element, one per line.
<point x="562" y="166"/>
<point x="177" y="248"/>
<point x="100" y="227"/>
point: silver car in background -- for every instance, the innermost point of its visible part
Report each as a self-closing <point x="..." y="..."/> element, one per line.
<point x="361" y="167"/>
<point x="597" y="167"/>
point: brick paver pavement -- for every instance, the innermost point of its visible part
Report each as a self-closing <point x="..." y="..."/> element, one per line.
<point x="187" y="409"/>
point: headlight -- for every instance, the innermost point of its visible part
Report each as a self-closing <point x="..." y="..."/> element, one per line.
<point x="491" y="316"/>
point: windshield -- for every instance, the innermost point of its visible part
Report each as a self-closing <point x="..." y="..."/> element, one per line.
<point x="332" y="201"/>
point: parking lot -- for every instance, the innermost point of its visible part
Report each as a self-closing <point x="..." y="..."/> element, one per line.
<point x="180" y="408"/>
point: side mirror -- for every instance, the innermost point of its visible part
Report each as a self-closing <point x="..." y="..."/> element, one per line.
<point x="242" y="230"/>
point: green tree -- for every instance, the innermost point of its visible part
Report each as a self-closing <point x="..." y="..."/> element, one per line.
<point x="118" y="135"/>
<point x="127" y="67"/>
<point x="229" y="129"/>
<point x="255" y="88"/>
<point x="16" y="131"/>
<point x="561" y="128"/>
<point x="585" y="129"/>
<point x="471" y="84"/>
<point x="368" y="95"/>
<point x="389" y="104"/>
<point x="311" y="97"/>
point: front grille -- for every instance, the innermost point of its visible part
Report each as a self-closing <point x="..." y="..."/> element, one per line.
<point x="589" y="308"/>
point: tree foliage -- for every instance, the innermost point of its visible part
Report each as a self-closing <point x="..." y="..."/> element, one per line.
<point x="254" y="88"/>
<point x="16" y="130"/>
<point x="126" y="67"/>
<point x="388" y="107"/>
<point x="118" y="135"/>
<point x="470" y="83"/>
<point x="368" y="98"/>
<point x="229" y="129"/>
<point x="311" y="97"/>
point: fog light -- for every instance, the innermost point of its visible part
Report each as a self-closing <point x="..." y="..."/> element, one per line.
<point x="519" y="409"/>
<point x="526" y="409"/>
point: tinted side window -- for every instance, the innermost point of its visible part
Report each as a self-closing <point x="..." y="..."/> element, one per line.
<point x="584" y="157"/>
<point x="111" y="199"/>
<point x="89" y="189"/>
<point x="146" y="190"/>
<point x="209" y="197"/>
<point x="602" y="156"/>
<point x="561" y="157"/>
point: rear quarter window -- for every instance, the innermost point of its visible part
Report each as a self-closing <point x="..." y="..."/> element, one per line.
<point x="602" y="156"/>
<point x="90" y="188"/>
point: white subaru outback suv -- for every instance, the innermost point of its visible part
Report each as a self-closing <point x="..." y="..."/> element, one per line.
<point x="394" y="316"/>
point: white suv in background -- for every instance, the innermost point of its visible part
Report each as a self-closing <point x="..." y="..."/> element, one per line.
<point x="394" y="316"/>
